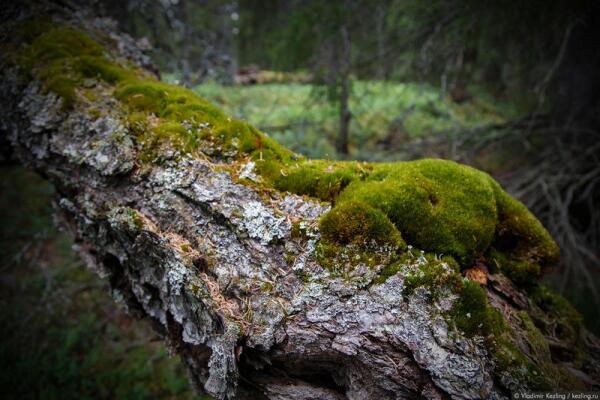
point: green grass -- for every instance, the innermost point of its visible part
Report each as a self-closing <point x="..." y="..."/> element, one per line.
<point x="301" y="119"/>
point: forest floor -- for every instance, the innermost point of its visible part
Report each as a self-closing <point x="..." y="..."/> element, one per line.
<point x="301" y="117"/>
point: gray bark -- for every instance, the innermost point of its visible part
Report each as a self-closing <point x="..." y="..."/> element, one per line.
<point x="206" y="260"/>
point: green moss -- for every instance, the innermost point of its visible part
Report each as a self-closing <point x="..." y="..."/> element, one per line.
<point x="162" y="99"/>
<point x="512" y="363"/>
<point x="522" y="272"/>
<point x="438" y="206"/>
<point x="61" y="43"/>
<point x="319" y="178"/>
<point x="61" y="57"/>
<point x="495" y="259"/>
<point x="527" y="246"/>
<point x="57" y="57"/>
<point x="290" y="259"/>
<point x="357" y="222"/>
<point x="299" y="230"/>
<point x="536" y="340"/>
<point x="176" y="116"/>
<point x="432" y="273"/>
<point x="341" y="260"/>
<point x="303" y="276"/>
<point x="569" y="322"/>
<point x="64" y="88"/>
<point x="535" y="366"/>
<point x="388" y="271"/>
<point x="98" y="67"/>
<point x="528" y="362"/>
<point x="473" y="315"/>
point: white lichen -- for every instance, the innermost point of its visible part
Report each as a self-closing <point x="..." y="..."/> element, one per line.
<point x="177" y="274"/>
<point x="261" y="224"/>
<point x="247" y="172"/>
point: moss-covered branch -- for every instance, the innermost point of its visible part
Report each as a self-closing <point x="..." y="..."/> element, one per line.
<point x="435" y="205"/>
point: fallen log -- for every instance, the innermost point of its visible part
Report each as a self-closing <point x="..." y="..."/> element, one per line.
<point x="270" y="275"/>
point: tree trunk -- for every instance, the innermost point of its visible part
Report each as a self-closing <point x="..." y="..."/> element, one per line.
<point x="186" y="44"/>
<point x="380" y="15"/>
<point x="344" y="82"/>
<point x="220" y="271"/>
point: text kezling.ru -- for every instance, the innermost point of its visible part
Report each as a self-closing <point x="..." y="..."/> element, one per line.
<point x="557" y="395"/>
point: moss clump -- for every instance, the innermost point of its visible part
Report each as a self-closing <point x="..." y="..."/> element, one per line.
<point x="522" y="272"/>
<point x="61" y="57"/>
<point x="439" y="206"/>
<point x="358" y="223"/>
<point x="473" y="315"/>
<point x="523" y="247"/>
<point x="167" y="115"/>
<point x="318" y="178"/>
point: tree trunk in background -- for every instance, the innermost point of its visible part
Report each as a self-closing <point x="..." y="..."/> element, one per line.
<point x="380" y="32"/>
<point x="187" y="42"/>
<point x="344" y="82"/>
<point x="228" y="51"/>
<point x="217" y="269"/>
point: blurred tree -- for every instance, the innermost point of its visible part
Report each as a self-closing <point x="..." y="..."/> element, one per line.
<point x="195" y="38"/>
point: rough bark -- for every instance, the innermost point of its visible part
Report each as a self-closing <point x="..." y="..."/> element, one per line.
<point x="206" y="260"/>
